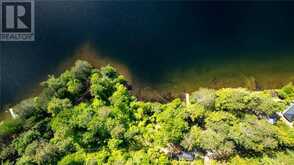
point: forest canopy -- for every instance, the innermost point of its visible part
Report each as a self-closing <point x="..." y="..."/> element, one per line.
<point x="88" y="116"/>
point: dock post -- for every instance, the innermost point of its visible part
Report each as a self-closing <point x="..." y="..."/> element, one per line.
<point x="187" y="99"/>
<point x="12" y="113"/>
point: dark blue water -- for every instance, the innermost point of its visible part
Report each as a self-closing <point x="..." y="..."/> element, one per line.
<point x="155" y="40"/>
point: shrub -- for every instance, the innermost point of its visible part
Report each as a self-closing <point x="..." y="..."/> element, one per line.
<point x="195" y="112"/>
<point x="205" y="97"/>
<point x="237" y="160"/>
<point x="81" y="70"/>
<point x="25" y="160"/>
<point x="192" y="139"/>
<point x="285" y="134"/>
<point x="8" y="153"/>
<point x="74" y="86"/>
<point x="24" y="140"/>
<point x="10" y="127"/>
<point x="77" y="158"/>
<point x="25" y="108"/>
<point x="31" y="149"/>
<point x="47" y="153"/>
<point x="287" y="92"/>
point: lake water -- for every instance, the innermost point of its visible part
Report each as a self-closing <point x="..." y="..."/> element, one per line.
<point x="162" y="47"/>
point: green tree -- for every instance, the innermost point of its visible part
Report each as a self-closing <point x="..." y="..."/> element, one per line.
<point x="103" y="83"/>
<point x="66" y="125"/>
<point x="217" y="144"/>
<point x="74" y="87"/>
<point x="24" y="140"/>
<point x="255" y="135"/>
<point x="192" y="139"/>
<point x="81" y="70"/>
<point x="10" y="127"/>
<point x="170" y="123"/>
<point x="47" y="153"/>
<point x="263" y="104"/>
<point x="232" y="99"/>
<point x="57" y="105"/>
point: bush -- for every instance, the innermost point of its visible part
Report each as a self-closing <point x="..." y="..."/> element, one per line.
<point x="284" y="158"/>
<point x="81" y="70"/>
<point x="24" y="140"/>
<point x="192" y="139"/>
<point x="195" y="112"/>
<point x="285" y="134"/>
<point x="205" y="97"/>
<point x="74" y="87"/>
<point x="237" y="160"/>
<point x="25" y="108"/>
<point x="287" y="92"/>
<point x="31" y="149"/>
<point x="10" y="127"/>
<point x="8" y="153"/>
<point x="25" y="160"/>
<point x="47" y="153"/>
<point x="77" y="158"/>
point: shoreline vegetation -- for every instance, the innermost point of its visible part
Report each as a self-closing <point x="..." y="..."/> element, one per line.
<point x="251" y="73"/>
<point x="90" y="116"/>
